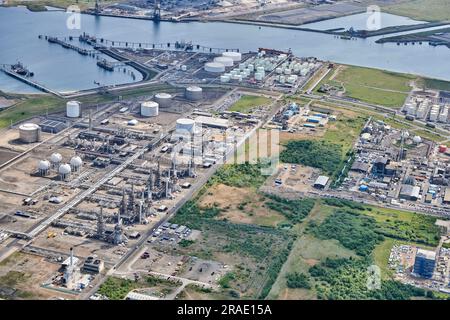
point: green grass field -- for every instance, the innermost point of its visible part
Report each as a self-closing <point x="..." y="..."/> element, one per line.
<point x="427" y="10"/>
<point x="248" y="102"/>
<point x="375" y="86"/>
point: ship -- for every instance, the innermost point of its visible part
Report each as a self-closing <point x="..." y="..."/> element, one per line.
<point x="19" y="69"/>
<point x="105" y="65"/>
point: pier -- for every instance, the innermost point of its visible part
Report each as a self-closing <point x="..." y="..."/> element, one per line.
<point x="6" y="69"/>
<point x="101" y="42"/>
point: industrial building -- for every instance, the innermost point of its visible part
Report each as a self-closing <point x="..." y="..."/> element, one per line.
<point x="424" y="263"/>
<point x="409" y="192"/>
<point x="321" y="182"/>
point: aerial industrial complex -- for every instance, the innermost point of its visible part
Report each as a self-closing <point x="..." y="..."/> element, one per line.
<point x="216" y="173"/>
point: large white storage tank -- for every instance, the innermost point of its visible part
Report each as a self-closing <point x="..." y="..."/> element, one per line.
<point x="73" y="109"/>
<point x="194" y="93"/>
<point x="64" y="171"/>
<point x="163" y="99"/>
<point x="44" y="167"/>
<point x="149" y="109"/>
<point x="76" y="163"/>
<point x="226" y="61"/>
<point x="214" y="67"/>
<point x="185" y="126"/>
<point x="236" y="56"/>
<point x="29" y="132"/>
<point x="55" y="159"/>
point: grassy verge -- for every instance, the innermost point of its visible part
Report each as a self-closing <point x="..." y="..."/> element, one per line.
<point x="248" y="102"/>
<point x="428" y="10"/>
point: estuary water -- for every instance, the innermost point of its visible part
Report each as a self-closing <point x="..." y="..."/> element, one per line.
<point x="65" y="70"/>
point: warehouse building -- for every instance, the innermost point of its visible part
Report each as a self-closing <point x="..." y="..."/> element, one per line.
<point x="446" y="199"/>
<point x="321" y="182"/>
<point x="409" y="192"/>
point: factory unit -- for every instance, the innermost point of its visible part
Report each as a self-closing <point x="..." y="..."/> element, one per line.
<point x="424" y="263"/>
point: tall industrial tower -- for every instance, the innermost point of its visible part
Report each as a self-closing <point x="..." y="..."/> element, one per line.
<point x="97" y="7"/>
<point x="157" y="11"/>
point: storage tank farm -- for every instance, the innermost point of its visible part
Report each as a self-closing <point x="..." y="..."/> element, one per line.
<point x="259" y="66"/>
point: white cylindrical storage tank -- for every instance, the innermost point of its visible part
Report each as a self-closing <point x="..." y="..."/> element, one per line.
<point x="183" y="67"/>
<point x="163" y="99"/>
<point x="417" y="139"/>
<point x="226" y="61"/>
<point x="29" y="132"/>
<point x="64" y="171"/>
<point x="194" y="93"/>
<point x="224" y="78"/>
<point x="259" y="76"/>
<point x="149" y="109"/>
<point x="73" y="109"/>
<point x="55" y="159"/>
<point x="185" y="126"/>
<point x="76" y="163"/>
<point x="214" y="67"/>
<point x="44" y="167"/>
<point x="236" y="56"/>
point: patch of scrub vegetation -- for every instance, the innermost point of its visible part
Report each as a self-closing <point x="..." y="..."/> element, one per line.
<point x="263" y="249"/>
<point x="353" y="230"/>
<point x="294" y="210"/>
<point x="248" y="102"/>
<point x="117" y="289"/>
<point x="344" y="132"/>
<point x="11" y="280"/>
<point x="370" y="232"/>
<point x="348" y="279"/>
<point x="395" y="224"/>
<point x="317" y="154"/>
<point x="298" y="280"/>
<point x="434" y="84"/>
<point x="240" y="175"/>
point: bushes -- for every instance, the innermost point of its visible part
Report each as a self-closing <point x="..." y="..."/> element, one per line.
<point x="340" y="203"/>
<point x="240" y="175"/>
<point x="317" y="154"/>
<point x="298" y="280"/>
<point x="354" y="231"/>
<point x="343" y="279"/>
<point x="294" y="210"/>
<point x="224" y="282"/>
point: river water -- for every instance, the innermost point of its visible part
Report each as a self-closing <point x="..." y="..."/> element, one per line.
<point x="65" y="70"/>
